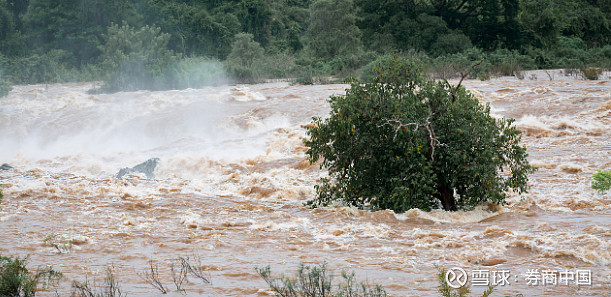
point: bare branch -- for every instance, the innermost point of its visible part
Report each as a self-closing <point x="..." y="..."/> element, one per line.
<point x="463" y="75"/>
<point x="428" y="126"/>
<point x="152" y="277"/>
<point x="110" y="288"/>
<point x="398" y="125"/>
<point x="461" y="5"/>
<point x="195" y="270"/>
<point x="433" y="141"/>
<point x="179" y="275"/>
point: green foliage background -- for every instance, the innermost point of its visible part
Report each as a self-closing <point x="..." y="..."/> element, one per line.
<point x="246" y="58"/>
<point x="71" y="40"/>
<point x="5" y="86"/>
<point x="135" y="59"/>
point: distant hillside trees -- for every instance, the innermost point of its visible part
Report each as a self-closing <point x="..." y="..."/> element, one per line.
<point x="57" y="41"/>
<point x="332" y="29"/>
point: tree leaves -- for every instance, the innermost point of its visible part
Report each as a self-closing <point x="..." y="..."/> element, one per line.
<point x="401" y="141"/>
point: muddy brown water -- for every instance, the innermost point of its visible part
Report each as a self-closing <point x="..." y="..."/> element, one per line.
<point x="232" y="179"/>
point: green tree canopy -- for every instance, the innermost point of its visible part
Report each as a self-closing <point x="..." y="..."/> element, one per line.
<point x="59" y="40"/>
<point x="75" y="26"/>
<point x="401" y="141"/>
<point x="11" y="40"/>
<point x="547" y="20"/>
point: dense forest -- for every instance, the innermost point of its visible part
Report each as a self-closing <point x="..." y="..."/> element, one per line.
<point x="160" y="44"/>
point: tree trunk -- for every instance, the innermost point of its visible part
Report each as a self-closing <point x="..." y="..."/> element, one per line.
<point x="446" y="195"/>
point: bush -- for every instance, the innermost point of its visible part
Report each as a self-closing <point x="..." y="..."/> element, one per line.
<point x="5" y="87"/>
<point x="311" y="70"/>
<point x="344" y="65"/>
<point x="280" y="65"/>
<point x="453" y="66"/>
<point x="196" y="72"/>
<point x="402" y="141"/>
<point x="602" y="181"/>
<point x="17" y="281"/>
<point x="317" y="281"/>
<point x="450" y="43"/>
<point x="509" y="63"/>
<point x="569" y="46"/>
<point x="591" y="73"/>
<point x="368" y="72"/>
<point x="244" y="62"/>
<point x="606" y="52"/>
<point x="50" y="67"/>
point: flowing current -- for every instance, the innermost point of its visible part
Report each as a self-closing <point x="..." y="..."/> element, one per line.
<point x="233" y="176"/>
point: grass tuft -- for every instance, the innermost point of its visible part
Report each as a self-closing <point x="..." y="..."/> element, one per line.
<point x="317" y="281"/>
<point x="110" y="287"/>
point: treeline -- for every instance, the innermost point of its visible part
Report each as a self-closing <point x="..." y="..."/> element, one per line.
<point x="155" y="44"/>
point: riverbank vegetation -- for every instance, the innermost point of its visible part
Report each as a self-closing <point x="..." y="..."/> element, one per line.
<point x="16" y="280"/>
<point x="165" y="44"/>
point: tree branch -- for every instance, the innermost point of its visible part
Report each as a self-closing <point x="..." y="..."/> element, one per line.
<point x="461" y="5"/>
<point x="463" y="75"/>
<point x="428" y="126"/>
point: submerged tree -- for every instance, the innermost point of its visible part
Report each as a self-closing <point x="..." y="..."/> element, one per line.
<point x="401" y="141"/>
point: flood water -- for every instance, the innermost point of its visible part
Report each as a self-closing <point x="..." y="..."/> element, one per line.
<point x="233" y="176"/>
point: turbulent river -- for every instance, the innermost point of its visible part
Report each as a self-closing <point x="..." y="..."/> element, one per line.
<point x="232" y="178"/>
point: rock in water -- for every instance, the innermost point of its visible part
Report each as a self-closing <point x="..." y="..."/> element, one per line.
<point x="147" y="167"/>
<point x="6" y="167"/>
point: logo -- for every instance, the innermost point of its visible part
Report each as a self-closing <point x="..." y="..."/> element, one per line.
<point x="456" y="277"/>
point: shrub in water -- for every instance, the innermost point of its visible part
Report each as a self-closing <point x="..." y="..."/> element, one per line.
<point x="602" y="181"/>
<point x="591" y="73"/>
<point x="317" y="281"/>
<point x="402" y="141"/>
<point x="5" y="86"/>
